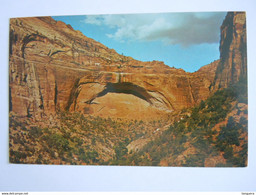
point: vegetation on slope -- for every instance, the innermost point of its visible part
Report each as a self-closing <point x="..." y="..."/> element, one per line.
<point x="213" y="133"/>
<point x="74" y="139"/>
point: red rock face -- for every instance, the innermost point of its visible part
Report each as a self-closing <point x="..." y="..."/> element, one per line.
<point x="233" y="58"/>
<point x="55" y="68"/>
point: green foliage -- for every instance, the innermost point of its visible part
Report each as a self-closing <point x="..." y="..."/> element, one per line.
<point x="194" y="160"/>
<point x="187" y="142"/>
<point x="197" y="131"/>
<point x="243" y="121"/>
<point x="35" y="132"/>
<point x="120" y="150"/>
<point x="229" y="137"/>
<point x="57" y="141"/>
<point x="39" y="159"/>
<point x="229" y="134"/>
<point x="17" y="156"/>
<point x="93" y="156"/>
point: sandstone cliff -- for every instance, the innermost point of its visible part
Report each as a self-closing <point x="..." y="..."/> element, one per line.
<point x="55" y="68"/>
<point x="233" y="58"/>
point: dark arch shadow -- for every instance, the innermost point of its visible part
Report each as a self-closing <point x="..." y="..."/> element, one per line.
<point x="126" y="88"/>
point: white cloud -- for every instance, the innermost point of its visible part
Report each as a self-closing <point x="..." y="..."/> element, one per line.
<point x="93" y="20"/>
<point x="174" y="28"/>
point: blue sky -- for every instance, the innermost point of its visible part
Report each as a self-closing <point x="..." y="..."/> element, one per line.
<point x="181" y="40"/>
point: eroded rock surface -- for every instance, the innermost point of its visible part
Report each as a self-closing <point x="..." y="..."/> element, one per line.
<point x="55" y="68"/>
<point x="233" y="51"/>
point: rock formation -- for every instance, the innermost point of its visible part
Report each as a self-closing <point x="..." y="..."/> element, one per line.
<point x="55" y="68"/>
<point x="233" y="58"/>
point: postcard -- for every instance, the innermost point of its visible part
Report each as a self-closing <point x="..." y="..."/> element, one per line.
<point x="167" y="89"/>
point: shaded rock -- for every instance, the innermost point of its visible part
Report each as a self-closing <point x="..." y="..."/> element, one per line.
<point x="233" y="49"/>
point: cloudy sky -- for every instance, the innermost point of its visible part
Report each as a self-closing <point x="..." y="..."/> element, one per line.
<point x="182" y="40"/>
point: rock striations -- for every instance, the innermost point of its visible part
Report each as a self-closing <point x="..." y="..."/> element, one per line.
<point x="233" y="58"/>
<point x="55" y="68"/>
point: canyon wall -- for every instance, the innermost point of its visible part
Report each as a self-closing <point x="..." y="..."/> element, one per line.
<point x="233" y="51"/>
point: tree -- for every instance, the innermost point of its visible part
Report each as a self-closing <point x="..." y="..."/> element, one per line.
<point x="229" y="134"/>
<point x="120" y="150"/>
